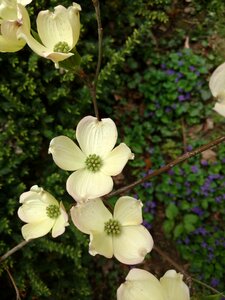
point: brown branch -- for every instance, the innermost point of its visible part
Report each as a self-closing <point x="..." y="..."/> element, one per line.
<point x="170" y="165"/>
<point x="13" y="250"/>
<point x="14" y="285"/>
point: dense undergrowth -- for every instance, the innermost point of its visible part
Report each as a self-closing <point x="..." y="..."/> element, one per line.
<point x="157" y="92"/>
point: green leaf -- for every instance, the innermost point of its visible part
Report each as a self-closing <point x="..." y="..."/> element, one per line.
<point x="190" y="219"/>
<point x="179" y="229"/>
<point x="171" y="211"/>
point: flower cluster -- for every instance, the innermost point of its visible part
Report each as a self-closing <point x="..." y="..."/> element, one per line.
<point x="58" y="31"/>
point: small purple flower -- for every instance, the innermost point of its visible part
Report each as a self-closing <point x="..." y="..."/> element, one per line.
<point x="215" y="282"/>
<point x="194" y="169"/>
<point x="204" y="245"/>
<point x="181" y="98"/>
<point x="204" y="162"/>
<point x="171" y="172"/>
<point x="192" y="68"/>
<point x="170" y="72"/>
<point x="163" y="66"/>
<point x="168" y="110"/>
<point x="189" y="148"/>
<point x="180" y="63"/>
<point x="198" y="211"/>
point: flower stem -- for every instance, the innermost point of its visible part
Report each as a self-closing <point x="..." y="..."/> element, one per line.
<point x="14" y="285"/>
<point x="167" y="167"/>
<point x="13" y="250"/>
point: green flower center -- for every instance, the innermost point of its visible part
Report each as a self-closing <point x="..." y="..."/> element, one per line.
<point x="112" y="227"/>
<point x="61" y="47"/>
<point x="93" y="163"/>
<point x="53" y="211"/>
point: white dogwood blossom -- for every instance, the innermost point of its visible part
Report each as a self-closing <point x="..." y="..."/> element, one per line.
<point x="217" y="87"/>
<point x="13" y="16"/>
<point x="58" y="31"/>
<point x="42" y="212"/>
<point x="142" y="285"/>
<point x="94" y="162"/>
<point x="120" y="234"/>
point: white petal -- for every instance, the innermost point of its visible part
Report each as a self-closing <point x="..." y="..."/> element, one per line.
<point x="35" y="230"/>
<point x="217" y="83"/>
<point x="115" y="161"/>
<point x="24" y="2"/>
<point x="128" y="211"/>
<point x="60" y="223"/>
<point x="90" y="216"/>
<point x="83" y="185"/>
<point x="32" y="211"/>
<point x="96" y="137"/>
<point x="220" y="108"/>
<point x="74" y="17"/>
<point x="101" y="243"/>
<point x="174" y="287"/>
<point x="66" y="154"/>
<point x="131" y="246"/>
<point x="55" y="27"/>
<point x="140" y="285"/>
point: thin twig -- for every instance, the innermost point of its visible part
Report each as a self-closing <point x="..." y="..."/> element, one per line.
<point x="167" y="167"/>
<point x="14" y="285"/>
<point x="13" y="250"/>
<point x="180" y="269"/>
<point x="93" y="89"/>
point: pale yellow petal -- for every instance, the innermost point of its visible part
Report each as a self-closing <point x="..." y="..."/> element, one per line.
<point x="217" y="83"/>
<point x="140" y="285"/>
<point x="128" y="211"/>
<point x="90" y="216"/>
<point x="101" y="243"/>
<point x="83" y="185"/>
<point x="220" y="108"/>
<point x="174" y="287"/>
<point x="96" y="137"/>
<point x="60" y="223"/>
<point x="36" y="230"/>
<point x="131" y="246"/>
<point x="115" y="161"/>
<point x="32" y="211"/>
<point x="74" y="17"/>
<point x="66" y="154"/>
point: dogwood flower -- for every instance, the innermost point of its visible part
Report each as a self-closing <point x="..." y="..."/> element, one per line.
<point x="58" y="31"/>
<point x="217" y="87"/>
<point x="120" y="234"/>
<point x="42" y="212"/>
<point x="95" y="162"/>
<point x="142" y="285"/>
<point x="18" y="16"/>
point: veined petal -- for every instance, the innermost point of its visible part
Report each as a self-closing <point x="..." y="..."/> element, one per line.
<point x="131" y="246"/>
<point x="217" y="83"/>
<point x="83" y="185"/>
<point x="24" y="2"/>
<point x="60" y="223"/>
<point x="32" y="211"/>
<point x="140" y="285"/>
<point x="96" y="137"/>
<point x="174" y="287"/>
<point x="8" y="45"/>
<point x="90" y="216"/>
<point x="220" y="108"/>
<point x="8" y="9"/>
<point x="128" y="211"/>
<point x="115" y="161"/>
<point x="66" y="154"/>
<point x="55" y="27"/>
<point x="74" y="17"/>
<point x="101" y="243"/>
<point x="38" y="229"/>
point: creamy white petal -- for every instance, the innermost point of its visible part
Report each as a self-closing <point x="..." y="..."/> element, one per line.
<point x="174" y="287"/>
<point x="131" y="246"/>
<point x="83" y="185"/>
<point x="217" y="83"/>
<point x="36" y="230"/>
<point x="220" y="108"/>
<point x="55" y="27"/>
<point x="8" y="10"/>
<point x="115" y="161"/>
<point x="74" y="17"/>
<point x="96" y="137"/>
<point x="90" y="216"/>
<point x="140" y="285"/>
<point x="24" y="2"/>
<point x="101" y="243"/>
<point x="128" y="211"/>
<point x="60" y="223"/>
<point x="32" y="211"/>
<point x="66" y="154"/>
